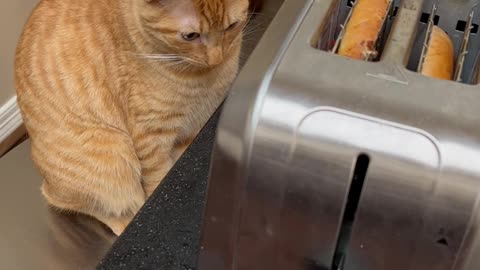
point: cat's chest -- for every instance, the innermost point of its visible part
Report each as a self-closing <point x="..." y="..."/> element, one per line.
<point x="163" y="104"/>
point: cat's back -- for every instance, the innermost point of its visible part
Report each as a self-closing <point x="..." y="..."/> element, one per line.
<point x="66" y="58"/>
<point x="61" y="36"/>
<point x="51" y="19"/>
<point x="64" y="29"/>
<point x="36" y="47"/>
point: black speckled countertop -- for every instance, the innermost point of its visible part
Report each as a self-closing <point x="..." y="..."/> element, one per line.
<point x="166" y="232"/>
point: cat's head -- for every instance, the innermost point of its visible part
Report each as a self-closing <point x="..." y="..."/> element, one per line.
<point x="203" y="33"/>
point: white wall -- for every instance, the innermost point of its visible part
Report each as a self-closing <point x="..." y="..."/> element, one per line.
<point x="13" y="14"/>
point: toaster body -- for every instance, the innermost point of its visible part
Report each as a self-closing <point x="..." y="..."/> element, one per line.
<point x="324" y="162"/>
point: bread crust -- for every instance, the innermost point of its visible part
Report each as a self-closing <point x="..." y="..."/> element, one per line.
<point x="439" y="58"/>
<point x="361" y="31"/>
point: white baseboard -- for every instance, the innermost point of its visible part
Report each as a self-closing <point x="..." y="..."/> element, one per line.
<point x="10" y="118"/>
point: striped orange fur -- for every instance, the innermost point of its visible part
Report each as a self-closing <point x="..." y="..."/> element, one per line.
<point x="112" y="91"/>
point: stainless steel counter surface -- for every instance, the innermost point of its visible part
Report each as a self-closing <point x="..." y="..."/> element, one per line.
<point x="34" y="237"/>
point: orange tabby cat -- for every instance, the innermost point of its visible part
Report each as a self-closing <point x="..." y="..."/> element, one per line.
<point x="112" y="91"/>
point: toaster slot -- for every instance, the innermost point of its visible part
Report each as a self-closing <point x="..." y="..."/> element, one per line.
<point x="353" y="199"/>
<point x="333" y="29"/>
<point x="461" y="27"/>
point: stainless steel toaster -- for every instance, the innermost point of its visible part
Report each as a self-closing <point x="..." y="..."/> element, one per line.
<point x="325" y="162"/>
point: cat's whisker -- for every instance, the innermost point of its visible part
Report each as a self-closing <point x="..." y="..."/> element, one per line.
<point x="248" y="39"/>
<point x="167" y="54"/>
<point x="235" y="43"/>
<point x="171" y="62"/>
<point x="255" y="13"/>
<point x="252" y="27"/>
<point x="161" y="57"/>
<point x="162" y="60"/>
<point x="184" y="68"/>
<point x="184" y="61"/>
<point x="247" y="22"/>
<point x="251" y="15"/>
<point x="237" y="40"/>
<point x="174" y="65"/>
<point x="193" y="61"/>
<point x="180" y="66"/>
<point x="250" y="32"/>
<point x="171" y="57"/>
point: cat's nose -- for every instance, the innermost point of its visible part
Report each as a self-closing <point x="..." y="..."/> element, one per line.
<point x="215" y="57"/>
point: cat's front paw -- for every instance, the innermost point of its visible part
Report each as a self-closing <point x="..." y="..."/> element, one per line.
<point x="117" y="224"/>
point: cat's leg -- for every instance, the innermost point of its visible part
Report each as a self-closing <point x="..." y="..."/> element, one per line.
<point x="154" y="152"/>
<point x="158" y="158"/>
<point x="180" y="147"/>
<point x="96" y="173"/>
<point x="155" y="166"/>
<point x="116" y="224"/>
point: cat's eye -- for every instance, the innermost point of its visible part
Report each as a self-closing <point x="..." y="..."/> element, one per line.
<point x="190" y="36"/>
<point x="231" y="26"/>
